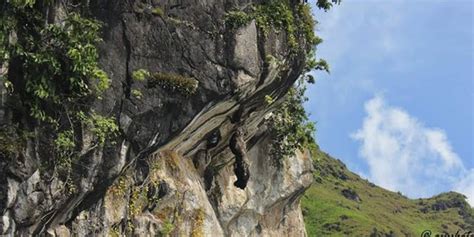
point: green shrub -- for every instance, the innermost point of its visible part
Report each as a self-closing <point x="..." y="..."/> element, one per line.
<point x="23" y="3"/>
<point x="313" y="64"/>
<point x="269" y="100"/>
<point x="137" y="93"/>
<point x="326" y="4"/>
<point x="64" y="143"/>
<point x="289" y="125"/>
<point x="157" y="11"/>
<point x="307" y="24"/>
<point x="237" y="19"/>
<point x="119" y="188"/>
<point x="174" y="82"/>
<point x="167" y="228"/>
<point x="59" y="62"/>
<point x="103" y="127"/>
<point x="140" y="75"/>
<point x="278" y="15"/>
<point x="270" y="58"/>
<point x="59" y="65"/>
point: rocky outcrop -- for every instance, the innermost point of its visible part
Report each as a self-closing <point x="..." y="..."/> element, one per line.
<point x="172" y="170"/>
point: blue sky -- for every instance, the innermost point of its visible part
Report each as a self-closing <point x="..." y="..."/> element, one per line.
<point x="398" y="105"/>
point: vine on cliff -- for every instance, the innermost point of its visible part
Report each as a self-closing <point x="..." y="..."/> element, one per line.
<point x="280" y="15"/>
<point x="289" y="123"/>
<point x="277" y="15"/>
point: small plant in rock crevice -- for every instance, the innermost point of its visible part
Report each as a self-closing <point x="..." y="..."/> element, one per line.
<point x="198" y="222"/>
<point x="119" y="187"/>
<point x="169" y="81"/>
<point x="137" y="93"/>
<point x="167" y="228"/>
<point x="174" y="83"/>
<point x="158" y="11"/>
<point x="137" y="201"/>
<point x="140" y="75"/>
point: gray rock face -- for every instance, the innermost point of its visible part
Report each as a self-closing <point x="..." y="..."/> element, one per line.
<point x="167" y="175"/>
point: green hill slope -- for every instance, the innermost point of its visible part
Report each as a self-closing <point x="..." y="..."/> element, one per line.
<point x="340" y="203"/>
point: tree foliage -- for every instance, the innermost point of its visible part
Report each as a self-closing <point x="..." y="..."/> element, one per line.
<point x="279" y="15"/>
<point x="58" y="61"/>
<point x="289" y="124"/>
<point x="53" y="70"/>
<point x="326" y="4"/>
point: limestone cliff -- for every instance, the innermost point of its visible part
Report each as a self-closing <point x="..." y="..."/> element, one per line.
<point x="171" y="170"/>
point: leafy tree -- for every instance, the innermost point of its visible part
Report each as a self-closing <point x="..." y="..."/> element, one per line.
<point x="53" y="70"/>
<point x="289" y="124"/>
<point x="326" y="4"/>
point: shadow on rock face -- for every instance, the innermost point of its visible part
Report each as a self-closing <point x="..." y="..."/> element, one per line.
<point x="241" y="167"/>
<point x="241" y="170"/>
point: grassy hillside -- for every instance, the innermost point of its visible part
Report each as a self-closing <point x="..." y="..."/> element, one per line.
<point x="340" y="203"/>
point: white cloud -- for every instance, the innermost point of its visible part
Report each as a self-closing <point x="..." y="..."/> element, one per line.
<point x="466" y="186"/>
<point x="438" y="141"/>
<point x="404" y="155"/>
